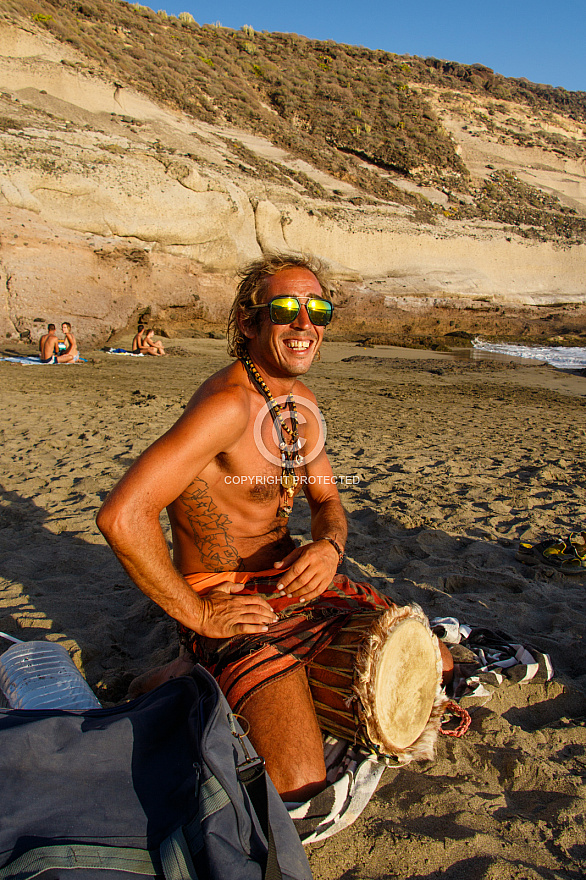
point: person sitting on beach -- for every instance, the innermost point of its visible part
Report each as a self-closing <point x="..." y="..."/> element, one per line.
<point x="137" y="341"/>
<point x="71" y="354"/>
<point x="151" y="346"/>
<point x="252" y="607"/>
<point x="50" y="346"/>
<point x="145" y="343"/>
<point x="42" y="340"/>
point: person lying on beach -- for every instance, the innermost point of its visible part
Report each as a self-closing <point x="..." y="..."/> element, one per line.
<point x="251" y="606"/>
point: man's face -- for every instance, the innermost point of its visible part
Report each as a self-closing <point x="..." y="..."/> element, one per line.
<point x="287" y="349"/>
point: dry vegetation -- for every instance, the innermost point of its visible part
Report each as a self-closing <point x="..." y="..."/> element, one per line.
<point x="353" y="112"/>
<point x="526" y="210"/>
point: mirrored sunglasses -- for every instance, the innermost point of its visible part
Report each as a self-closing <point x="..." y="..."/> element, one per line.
<point x="284" y="310"/>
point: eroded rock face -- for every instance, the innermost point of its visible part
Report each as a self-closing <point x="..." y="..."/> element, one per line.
<point x="97" y="283"/>
<point x="111" y="205"/>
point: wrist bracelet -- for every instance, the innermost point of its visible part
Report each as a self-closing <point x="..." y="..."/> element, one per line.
<point x="336" y="547"/>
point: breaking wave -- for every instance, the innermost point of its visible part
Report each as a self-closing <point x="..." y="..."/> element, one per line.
<point x="560" y="357"/>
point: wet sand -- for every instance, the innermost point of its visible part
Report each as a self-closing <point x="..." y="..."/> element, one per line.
<point x="449" y="463"/>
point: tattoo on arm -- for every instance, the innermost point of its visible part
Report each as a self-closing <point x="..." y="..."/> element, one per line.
<point x="210" y="528"/>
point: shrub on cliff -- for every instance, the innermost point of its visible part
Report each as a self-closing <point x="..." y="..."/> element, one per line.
<point x="349" y="110"/>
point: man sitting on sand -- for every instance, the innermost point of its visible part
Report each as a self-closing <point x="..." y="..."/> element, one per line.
<point x="50" y="346"/>
<point x="252" y="607"/>
<point x="43" y="339"/>
<point x="137" y="341"/>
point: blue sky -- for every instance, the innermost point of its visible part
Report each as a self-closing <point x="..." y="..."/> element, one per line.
<point x="542" y="40"/>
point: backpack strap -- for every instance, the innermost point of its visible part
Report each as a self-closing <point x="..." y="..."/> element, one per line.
<point x="253" y="777"/>
<point x="176" y="858"/>
<point x="80" y="855"/>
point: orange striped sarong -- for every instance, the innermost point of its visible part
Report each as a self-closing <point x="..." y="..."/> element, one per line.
<point x="245" y="664"/>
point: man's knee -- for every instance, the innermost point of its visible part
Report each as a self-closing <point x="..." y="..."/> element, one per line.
<point x="447" y="663"/>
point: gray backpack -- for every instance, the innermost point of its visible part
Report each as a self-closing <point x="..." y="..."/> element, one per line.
<point x="163" y="787"/>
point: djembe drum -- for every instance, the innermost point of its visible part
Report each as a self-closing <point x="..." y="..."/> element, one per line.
<point x="379" y="683"/>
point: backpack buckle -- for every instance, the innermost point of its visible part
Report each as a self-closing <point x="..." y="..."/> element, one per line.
<point x="252" y="764"/>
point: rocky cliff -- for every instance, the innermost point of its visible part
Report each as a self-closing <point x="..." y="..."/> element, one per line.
<point x="114" y="204"/>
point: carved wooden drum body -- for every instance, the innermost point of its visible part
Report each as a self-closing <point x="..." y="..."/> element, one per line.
<point x="379" y="683"/>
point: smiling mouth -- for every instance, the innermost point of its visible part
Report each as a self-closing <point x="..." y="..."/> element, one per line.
<point x="298" y="344"/>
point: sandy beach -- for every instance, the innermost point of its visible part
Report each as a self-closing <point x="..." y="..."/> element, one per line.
<point x="449" y="462"/>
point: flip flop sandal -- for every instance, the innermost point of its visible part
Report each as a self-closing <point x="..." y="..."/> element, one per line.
<point x="555" y="552"/>
<point x="573" y="566"/>
<point x="573" y="555"/>
<point x="534" y="553"/>
<point x="578" y="542"/>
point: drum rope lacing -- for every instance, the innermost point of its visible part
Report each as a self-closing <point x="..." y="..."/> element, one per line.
<point x="453" y="710"/>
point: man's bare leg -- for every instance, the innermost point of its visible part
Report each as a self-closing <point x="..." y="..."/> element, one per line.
<point x="285" y="732"/>
<point x="447" y="663"/>
<point x="182" y="665"/>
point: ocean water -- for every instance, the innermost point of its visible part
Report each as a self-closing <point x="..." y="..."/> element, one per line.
<point x="560" y="357"/>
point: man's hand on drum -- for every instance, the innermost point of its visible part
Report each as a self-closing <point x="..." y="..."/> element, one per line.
<point x="224" y="615"/>
<point x="310" y="570"/>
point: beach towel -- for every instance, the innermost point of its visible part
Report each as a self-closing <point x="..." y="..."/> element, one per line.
<point x="485" y="660"/>
<point x="35" y="360"/>
<point x="352" y="778"/>
<point x="124" y="351"/>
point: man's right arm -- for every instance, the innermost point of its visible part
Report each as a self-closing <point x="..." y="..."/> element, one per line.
<point x="129" y="519"/>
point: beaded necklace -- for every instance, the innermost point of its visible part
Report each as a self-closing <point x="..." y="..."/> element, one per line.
<point x="289" y="451"/>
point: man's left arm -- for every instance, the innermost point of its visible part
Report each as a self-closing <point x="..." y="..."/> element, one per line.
<point x="311" y="568"/>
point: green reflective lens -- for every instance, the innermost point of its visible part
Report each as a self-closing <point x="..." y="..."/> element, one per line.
<point x="319" y="311"/>
<point x="284" y="309"/>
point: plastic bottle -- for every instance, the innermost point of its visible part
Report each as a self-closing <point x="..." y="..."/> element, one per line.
<point x="42" y="675"/>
